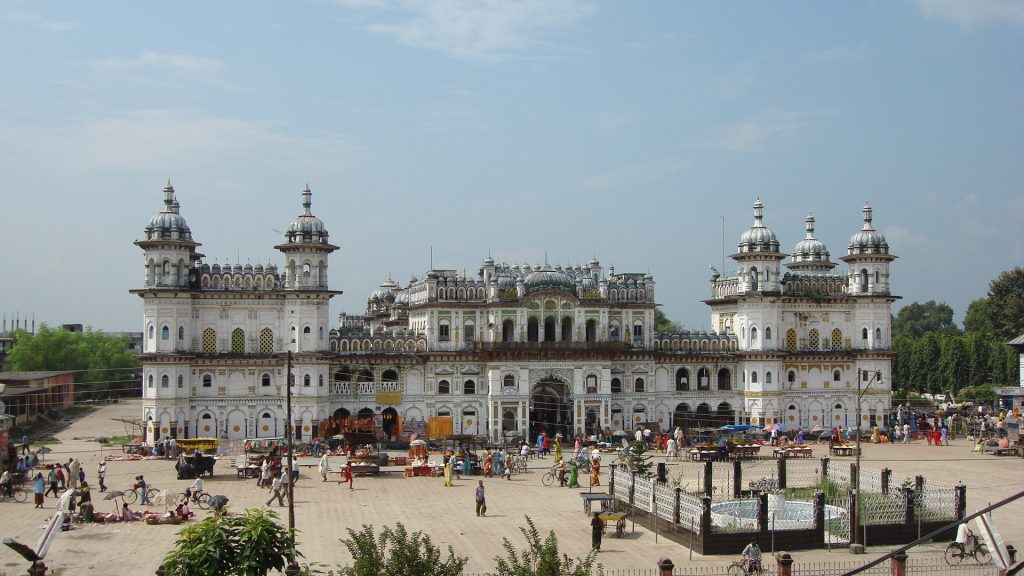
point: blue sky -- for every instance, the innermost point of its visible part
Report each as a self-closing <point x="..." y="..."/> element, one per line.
<point x="621" y="130"/>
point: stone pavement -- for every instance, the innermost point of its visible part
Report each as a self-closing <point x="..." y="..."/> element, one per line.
<point x="324" y="510"/>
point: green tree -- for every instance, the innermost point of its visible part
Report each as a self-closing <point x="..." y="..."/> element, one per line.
<point x="915" y="320"/>
<point x="103" y="361"/>
<point x="663" y="325"/>
<point x="1005" y="309"/>
<point x="976" y="319"/>
<point x="249" y="544"/>
<point x="397" y="553"/>
<point x="901" y="371"/>
<point x="956" y="364"/>
<point x="978" y="350"/>
<point x="638" y="460"/>
<point x="923" y="362"/>
<point x="543" y="558"/>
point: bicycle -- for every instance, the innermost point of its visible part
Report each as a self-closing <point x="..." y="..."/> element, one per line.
<point x="131" y="495"/>
<point x="202" y="499"/>
<point x="18" y="494"/>
<point x="956" y="552"/>
<point x="744" y="567"/>
<point x="551" y="475"/>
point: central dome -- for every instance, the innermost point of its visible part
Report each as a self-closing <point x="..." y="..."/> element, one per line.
<point x="546" y="278"/>
<point x="307" y="228"/>
<point x="810" y="248"/>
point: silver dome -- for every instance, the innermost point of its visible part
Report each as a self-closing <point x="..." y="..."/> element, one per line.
<point x="306" y="228"/>
<point x="810" y="248"/>
<point x="546" y="278"/>
<point x="758" y="238"/>
<point x="868" y="240"/>
<point x="168" y="224"/>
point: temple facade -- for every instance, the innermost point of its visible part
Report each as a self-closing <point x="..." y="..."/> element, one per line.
<point x="511" y="348"/>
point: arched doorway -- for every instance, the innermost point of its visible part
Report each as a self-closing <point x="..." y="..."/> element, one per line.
<point x="531" y="330"/>
<point x="342" y="413"/>
<point x="591" y="335"/>
<point x="703" y="418"/>
<point x="267" y="425"/>
<point x="507" y="331"/>
<point x="549" y="408"/>
<point x="549" y="329"/>
<point x="389" y="422"/>
<point x="682" y="417"/>
<point x="724" y="415"/>
<point x="508" y="420"/>
<point x="592" y="425"/>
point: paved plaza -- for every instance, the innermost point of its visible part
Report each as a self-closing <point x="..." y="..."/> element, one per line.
<point x="324" y="510"/>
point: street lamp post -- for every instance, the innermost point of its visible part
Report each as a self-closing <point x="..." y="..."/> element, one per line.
<point x="856" y="546"/>
<point x="291" y="482"/>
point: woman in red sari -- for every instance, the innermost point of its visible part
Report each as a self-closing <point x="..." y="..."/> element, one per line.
<point x="489" y="465"/>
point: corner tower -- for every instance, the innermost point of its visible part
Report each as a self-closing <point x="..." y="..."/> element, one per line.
<point x="306" y="250"/>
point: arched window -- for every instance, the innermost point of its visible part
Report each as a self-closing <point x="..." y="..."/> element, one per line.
<point x="768" y="334"/>
<point x="469" y="387"/>
<point x="152" y="332"/>
<point x="638" y="385"/>
<point x="566" y="329"/>
<point x="165" y="381"/>
<point x="791" y="377"/>
<point x="149" y="381"/>
<point x="265" y="379"/>
<point x="320" y="380"/>
<point x="791" y="340"/>
<point x="444" y="387"/>
<point x="864" y="280"/>
<point x="724" y="379"/>
<point x="181" y="332"/>
<point x="306" y="330"/>
<point x="165" y="333"/>
<point x="237" y="341"/>
<point x="209" y="341"/>
<point x="878" y="335"/>
<point x="767" y="377"/>
<point x="321" y="329"/>
<point x="549" y="329"/>
<point x="509" y="381"/>
<point x="837" y="339"/>
<point x="864" y="334"/>
<point x="306" y="380"/>
<point x="614" y="333"/>
<point x="753" y="279"/>
<point x="616" y="386"/>
<point x="753" y="336"/>
<point x="836" y="375"/>
<point x="682" y="380"/>
<point x="591" y="384"/>
<point x="878" y="277"/>
<point x="753" y="377"/>
<point x="508" y="330"/>
<point x="266" y="341"/>
<point x="207" y="380"/>
<point x="703" y="379"/>
<point x="813" y="339"/>
<point x="181" y="381"/>
<point x="591" y="330"/>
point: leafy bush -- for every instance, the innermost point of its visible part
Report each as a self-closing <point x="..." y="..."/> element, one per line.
<point x="543" y="558"/>
<point x="397" y="553"/>
<point x="249" y="544"/>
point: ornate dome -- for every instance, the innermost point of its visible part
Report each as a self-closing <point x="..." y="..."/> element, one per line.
<point x="506" y="282"/>
<point x="386" y="291"/>
<point x="810" y="248"/>
<point x="758" y="238"/>
<point x="402" y="298"/>
<point x="546" y="278"/>
<point x="868" y="240"/>
<point x="168" y="224"/>
<point x="306" y="228"/>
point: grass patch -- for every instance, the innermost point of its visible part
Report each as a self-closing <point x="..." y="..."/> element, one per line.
<point x="118" y="440"/>
<point x="44" y="441"/>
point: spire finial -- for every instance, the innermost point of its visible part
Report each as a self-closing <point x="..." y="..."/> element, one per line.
<point x="867" y="216"/>
<point x="307" y="200"/>
<point x="168" y="196"/>
<point x="758" y="208"/>
<point x="810" y="225"/>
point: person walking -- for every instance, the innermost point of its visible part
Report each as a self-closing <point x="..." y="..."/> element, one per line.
<point x="346" y="475"/>
<point x="324" y="466"/>
<point x="481" y="503"/>
<point x="574" y="475"/>
<point x="37" y="489"/>
<point x="51" y="479"/>
<point x="596" y="530"/>
<point x="24" y="445"/>
<point x="101" y="473"/>
<point x="143" y="489"/>
<point x="73" y="473"/>
<point x="275" y="488"/>
<point x="906" y="433"/>
<point x="448" y="472"/>
<point x="595" y="469"/>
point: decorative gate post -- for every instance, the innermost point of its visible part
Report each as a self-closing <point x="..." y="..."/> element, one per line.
<point x="781" y="462"/>
<point x="708" y="478"/>
<point x="737" y="478"/>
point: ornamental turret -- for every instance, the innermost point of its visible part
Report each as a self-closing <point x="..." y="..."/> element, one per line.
<point x="868" y="258"/>
<point x="758" y="257"/>
<point x="306" y="249"/>
<point x="169" y="250"/>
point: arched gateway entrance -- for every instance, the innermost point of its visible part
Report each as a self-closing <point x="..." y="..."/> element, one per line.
<point x="550" y="410"/>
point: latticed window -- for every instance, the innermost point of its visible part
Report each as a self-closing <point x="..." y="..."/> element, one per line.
<point x="791" y="340"/>
<point x="209" y="341"/>
<point x="238" y="341"/>
<point x="837" y="339"/>
<point x="813" y="339"/>
<point x="266" y="341"/>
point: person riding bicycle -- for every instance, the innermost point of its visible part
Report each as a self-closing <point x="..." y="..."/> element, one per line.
<point x="752" y="557"/>
<point x="6" y="484"/>
<point x="193" y="491"/>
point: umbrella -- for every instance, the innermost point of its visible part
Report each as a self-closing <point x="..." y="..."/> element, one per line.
<point x="771" y="427"/>
<point x="817" y="428"/>
<point x="620" y="433"/>
<point x="219" y="501"/>
<point x="418" y="443"/>
<point x="113" y="494"/>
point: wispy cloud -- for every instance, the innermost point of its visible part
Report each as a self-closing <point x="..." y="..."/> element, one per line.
<point x="482" y="30"/>
<point x="36" y="21"/>
<point x="754" y="132"/>
<point x="165" y="138"/>
<point x="837" y="54"/>
<point x="154" y="67"/>
<point x="973" y="13"/>
<point x="636" y="173"/>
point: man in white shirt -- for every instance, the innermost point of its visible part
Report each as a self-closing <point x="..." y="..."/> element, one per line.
<point x="276" y="488"/>
<point x="194" y="490"/>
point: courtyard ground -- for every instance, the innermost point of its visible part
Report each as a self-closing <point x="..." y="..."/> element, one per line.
<point x="324" y="510"/>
